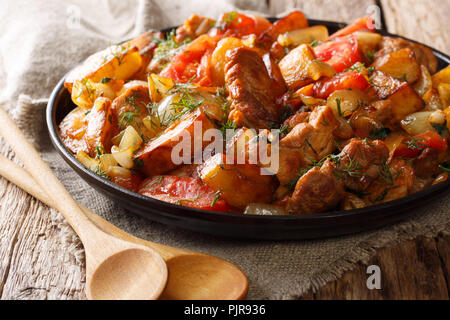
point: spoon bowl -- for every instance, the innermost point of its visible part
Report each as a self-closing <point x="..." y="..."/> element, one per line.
<point x="128" y="275"/>
<point x="204" y="277"/>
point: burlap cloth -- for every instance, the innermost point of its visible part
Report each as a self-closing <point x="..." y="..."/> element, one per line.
<point x="41" y="40"/>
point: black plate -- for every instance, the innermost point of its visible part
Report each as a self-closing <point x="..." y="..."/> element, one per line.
<point x="237" y="225"/>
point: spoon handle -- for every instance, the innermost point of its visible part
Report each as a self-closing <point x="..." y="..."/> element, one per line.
<point x="44" y="176"/>
<point x="20" y="177"/>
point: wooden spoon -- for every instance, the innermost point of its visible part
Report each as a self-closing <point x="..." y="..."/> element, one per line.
<point x="115" y="269"/>
<point x="192" y="275"/>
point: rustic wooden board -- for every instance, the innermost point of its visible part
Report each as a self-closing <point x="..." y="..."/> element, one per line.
<point x="33" y="261"/>
<point x="335" y="10"/>
<point x="416" y="269"/>
<point x="425" y="21"/>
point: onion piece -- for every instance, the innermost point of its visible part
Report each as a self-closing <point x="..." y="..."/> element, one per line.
<point x="123" y="157"/>
<point x="131" y="139"/>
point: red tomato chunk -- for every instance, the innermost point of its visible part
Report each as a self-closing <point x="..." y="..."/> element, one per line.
<point x="185" y="191"/>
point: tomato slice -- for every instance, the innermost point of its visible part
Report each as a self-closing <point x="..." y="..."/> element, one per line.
<point x="185" y="64"/>
<point x="132" y="183"/>
<point x="411" y="147"/>
<point x="346" y="80"/>
<point x="361" y="24"/>
<point x="235" y="24"/>
<point x="340" y="53"/>
<point x="185" y="191"/>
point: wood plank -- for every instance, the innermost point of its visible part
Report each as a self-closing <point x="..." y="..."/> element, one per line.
<point x="424" y="20"/>
<point x="36" y="261"/>
<point x="335" y="10"/>
<point x="416" y="269"/>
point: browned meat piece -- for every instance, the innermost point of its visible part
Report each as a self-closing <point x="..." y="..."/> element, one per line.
<point x="250" y="88"/>
<point x="193" y="27"/>
<point x="396" y="181"/>
<point x="427" y="164"/>
<point x="295" y="119"/>
<point x="306" y="143"/>
<point x="278" y="84"/>
<point x="146" y="43"/>
<point x="130" y="108"/>
<point x="360" y="162"/>
<point x="423" y="54"/>
<point x="317" y="191"/>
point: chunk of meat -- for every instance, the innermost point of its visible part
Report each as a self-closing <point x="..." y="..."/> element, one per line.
<point x="157" y="154"/>
<point x="360" y="162"/>
<point x="278" y="84"/>
<point x="396" y="182"/>
<point x="317" y="191"/>
<point x="184" y="191"/>
<point x="297" y="118"/>
<point x="146" y="44"/>
<point x="130" y="108"/>
<point x="250" y="87"/>
<point x="100" y="125"/>
<point x="426" y="165"/>
<point x="306" y="143"/>
<point x="423" y="54"/>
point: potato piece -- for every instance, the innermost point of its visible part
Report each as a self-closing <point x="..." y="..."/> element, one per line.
<point x="432" y="100"/>
<point x="442" y="76"/>
<point x="300" y="67"/>
<point x="307" y="35"/>
<point x="85" y="92"/>
<point x="157" y="154"/>
<point x="115" y="62"/>
<point x="417" y="123"/>
<point x="400" y="64"/>
<point x="344" y="102"/>
<point x="444" y="93"/>
<point x="218" y="59"/>
<point x="368" y="41"/>
<point x="405" y="101"/>
<point x="159" y="87"/>
<point x="99" y="128"/>
<point x="424" y="83"/>
<point x="403" y="97"/>
<point x="240" y="184"/>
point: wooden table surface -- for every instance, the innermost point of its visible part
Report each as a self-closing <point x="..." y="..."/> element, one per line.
<point x="416" y="269"/>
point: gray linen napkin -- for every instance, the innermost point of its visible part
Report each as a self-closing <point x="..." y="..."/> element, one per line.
<point x="41" y="40"/>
